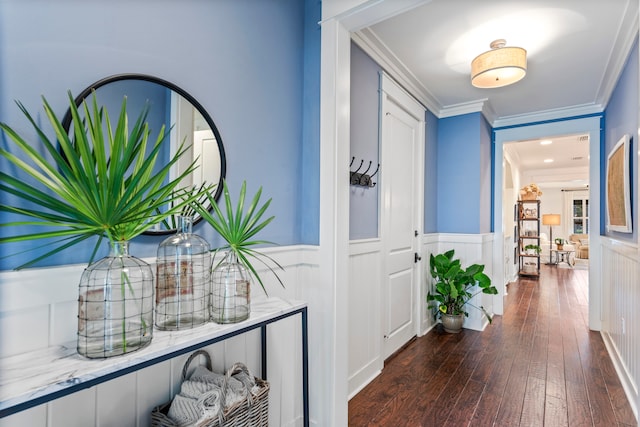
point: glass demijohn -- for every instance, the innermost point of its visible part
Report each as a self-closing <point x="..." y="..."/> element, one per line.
<point x="115" y="305"/>
<point x="183" y="273"/>
<point x="231" y="291"/>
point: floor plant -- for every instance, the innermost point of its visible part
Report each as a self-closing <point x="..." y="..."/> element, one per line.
<point x="455" y="286"/>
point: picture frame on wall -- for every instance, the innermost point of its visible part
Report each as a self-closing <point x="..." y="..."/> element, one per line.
<point x="618" y="194"/>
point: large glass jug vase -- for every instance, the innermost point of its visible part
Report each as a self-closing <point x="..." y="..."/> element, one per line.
<point x="115" y="305"/>
<point x="183" y="275"/>
<point x="230" y="291"/>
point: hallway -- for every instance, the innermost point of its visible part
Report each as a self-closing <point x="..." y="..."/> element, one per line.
<point x="538" y="365"/>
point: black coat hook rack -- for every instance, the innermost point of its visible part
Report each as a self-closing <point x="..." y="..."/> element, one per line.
<point x="362" y="179"/>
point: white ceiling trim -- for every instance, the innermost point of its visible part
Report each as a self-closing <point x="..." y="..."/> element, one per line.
<point x="463" y="108"/>
<point x="354" y="16"/>
<point x="618" y="57"/>
<point x="554" y="114"/>
<point x="381" y="54"/>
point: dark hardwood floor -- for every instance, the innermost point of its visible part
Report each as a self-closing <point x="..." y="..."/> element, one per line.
<point x="538" y="365"/>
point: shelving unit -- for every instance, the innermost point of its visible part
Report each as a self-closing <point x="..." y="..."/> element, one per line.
<point x="528" y="232"/>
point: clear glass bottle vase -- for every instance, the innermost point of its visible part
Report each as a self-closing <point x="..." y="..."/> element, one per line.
<point x="115" y="305"/>
<point x="230" y="291"/>
<point x="183" y="275"/>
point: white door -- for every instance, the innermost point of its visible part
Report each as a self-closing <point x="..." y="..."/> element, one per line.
<point x="401" y="212"/>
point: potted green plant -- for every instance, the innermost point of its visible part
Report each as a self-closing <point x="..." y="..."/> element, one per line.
<point x="454" y="289"/>
<point x="232" y="274"/>
<point x="532" y="249"/>
<point x="102" y="181"/>
<point x="559" y="241"/>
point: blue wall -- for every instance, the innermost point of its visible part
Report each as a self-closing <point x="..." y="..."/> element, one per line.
<point x="309" y="182"/>
<point x="485" y="189"/>
<point x="431" y="173"/>
<point x="365" y="117"/>
<point x="621" y="117"/>
<point x="243" y="60"/>
<point x="463" y="168"/>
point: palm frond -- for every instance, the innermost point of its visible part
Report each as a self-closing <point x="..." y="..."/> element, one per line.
<point x="237" y="228"/>
<point x="103" y="179"/>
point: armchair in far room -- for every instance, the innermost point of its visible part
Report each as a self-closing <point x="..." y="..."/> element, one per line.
<point x="581" y="245"/>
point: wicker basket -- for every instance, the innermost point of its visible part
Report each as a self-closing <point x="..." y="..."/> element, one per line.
<point x="250" y="412"/>
<point x="530" y="195"/>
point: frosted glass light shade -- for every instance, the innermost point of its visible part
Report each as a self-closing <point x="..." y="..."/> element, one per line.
<point x="499" y="67"/>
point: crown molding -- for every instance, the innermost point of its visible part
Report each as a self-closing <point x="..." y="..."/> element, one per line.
<point x="619" y="53"/>
<point x="462" y="108"/>
<point x="548" y="115"/>
<point x="369" y="42"/>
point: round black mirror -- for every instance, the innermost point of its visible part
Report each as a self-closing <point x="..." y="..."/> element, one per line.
<point x="174" y="107"/>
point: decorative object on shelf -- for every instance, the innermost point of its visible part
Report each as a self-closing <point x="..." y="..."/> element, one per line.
<point x="115" y="305"/>
<point x="531" y="213"/>
<point x="532" y="249"/>
<point x="230" y="291"/>
<point x="550" y="220"/>
<point x="559" y="243"/>
<point x="106" y="182"/>
<point x="453" y="289"/>
<point x="207" y="398"/>
<point x="530" y="192"/>
<point x="362" y="179"/>
<point x="182" y="281"/>
<point x="529" y="267"/>
<point x="500" y="66"/>
<point x="231" y="277"/>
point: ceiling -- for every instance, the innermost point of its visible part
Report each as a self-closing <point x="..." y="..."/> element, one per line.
<point x="555" y="162"/>
<point x="576" y="50"/>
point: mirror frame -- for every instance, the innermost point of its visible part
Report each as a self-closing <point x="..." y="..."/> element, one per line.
<point x="66" y="124"/>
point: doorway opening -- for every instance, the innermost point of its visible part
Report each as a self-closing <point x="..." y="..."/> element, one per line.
<point x="559" y="167"/>
<point x="585" y="131"/>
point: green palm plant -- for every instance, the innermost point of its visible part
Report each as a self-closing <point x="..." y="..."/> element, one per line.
<point x="238" y="228"/>
<point x="101" y="182"/>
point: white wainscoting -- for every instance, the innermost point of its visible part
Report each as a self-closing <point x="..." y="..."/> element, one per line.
<point x="365" y="313"/>
<point x="38" y="308"/>
<point x="621" y="312"/>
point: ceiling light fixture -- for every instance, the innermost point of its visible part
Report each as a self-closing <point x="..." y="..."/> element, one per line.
<point x="548" y="160"/>
<point x="501" y="66"/>
<point x="546" y="142"/>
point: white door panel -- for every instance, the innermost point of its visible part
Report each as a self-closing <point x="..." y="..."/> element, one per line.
<point x="401" y="139"/>
<point x="401" y="296"/>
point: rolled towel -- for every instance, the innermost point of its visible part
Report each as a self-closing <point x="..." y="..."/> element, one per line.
<point x="248" y="380"/>
<point x="184" y="411"/>
<point x="235" y="390"/>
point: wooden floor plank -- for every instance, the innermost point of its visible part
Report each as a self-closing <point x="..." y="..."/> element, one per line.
<point x="537" y="365"/>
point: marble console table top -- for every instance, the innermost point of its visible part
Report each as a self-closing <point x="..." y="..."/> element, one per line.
<point x="45" y="374"/>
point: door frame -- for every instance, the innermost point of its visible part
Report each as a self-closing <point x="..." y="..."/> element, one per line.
<point x="390" y="89"/>
<point x="590" y="125"/>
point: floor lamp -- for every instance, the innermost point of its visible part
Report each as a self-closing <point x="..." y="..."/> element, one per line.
<point x="550" y="220"/>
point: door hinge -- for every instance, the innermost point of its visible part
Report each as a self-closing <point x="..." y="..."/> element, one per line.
<point x="416" y="257"/>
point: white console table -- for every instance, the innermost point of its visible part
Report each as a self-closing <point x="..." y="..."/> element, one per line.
<point x="34" y="378"/>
